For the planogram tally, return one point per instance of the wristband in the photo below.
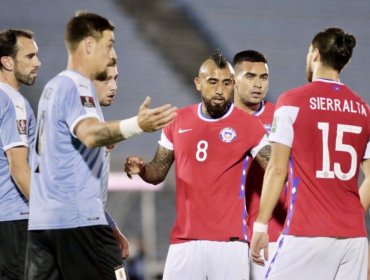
(259, 227)
(130, 127)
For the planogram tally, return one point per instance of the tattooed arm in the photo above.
(155, 171)
(94, 133)
(263, 156)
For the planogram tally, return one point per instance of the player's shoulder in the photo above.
(10, 97)
(269, 106)
(60, 86)
(295, 96)
(187, 110)
(61, 81)
(355, 96)
(5, 104)
(242, 115)
(4, 98)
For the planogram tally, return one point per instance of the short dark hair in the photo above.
(8, 42)
(85, 24)
(249, 55)
(335, 47)
(219, 59)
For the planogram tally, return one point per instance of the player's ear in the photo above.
(197, 83)
(315, 54)
(89, 44)
(7, 62)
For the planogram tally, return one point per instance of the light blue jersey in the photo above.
(66, 175)
(17, 128)
(104, 187)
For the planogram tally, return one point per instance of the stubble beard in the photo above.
(24, 78)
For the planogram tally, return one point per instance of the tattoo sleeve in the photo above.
(156, 171)
(263, 156)
(106, 136)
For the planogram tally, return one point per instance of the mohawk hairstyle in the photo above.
(219, 59)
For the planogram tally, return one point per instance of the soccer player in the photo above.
(209, 142)
(19, 64)
(69, 236)
(106, 90)
(251, 86)
(320, 134)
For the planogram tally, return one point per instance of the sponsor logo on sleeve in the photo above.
(87, 101)
(22, 127)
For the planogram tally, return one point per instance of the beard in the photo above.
(215, 110)
(25, 79)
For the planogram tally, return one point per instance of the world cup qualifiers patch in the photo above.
(22, 127)
(87, 101)
(227, 135)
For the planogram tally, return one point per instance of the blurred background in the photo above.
(160, 46)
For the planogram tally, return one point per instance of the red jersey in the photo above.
(210, 172)
(255, 180)
(327, 127)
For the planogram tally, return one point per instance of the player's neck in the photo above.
(9, 79)
(79, 64)
(248, 108)
(326, 73)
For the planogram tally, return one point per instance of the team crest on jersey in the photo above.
(87, 101)
(22, 127)
(228, 135)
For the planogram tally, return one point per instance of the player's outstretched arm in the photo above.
(365, 186)
(155, 171)
(19, 168)
(153, 119)
(94, 134)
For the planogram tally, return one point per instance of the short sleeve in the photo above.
(282, 127)
(13, 132)
(79, 103)
(166, 140)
